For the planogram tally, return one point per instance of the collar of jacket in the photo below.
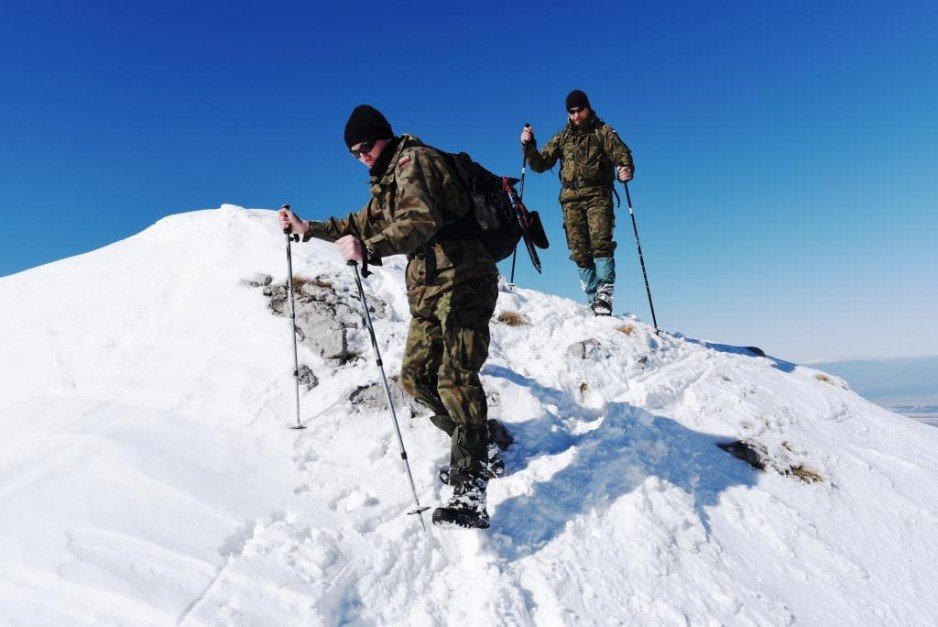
(403, 142)
(588, 125)
(381, 163)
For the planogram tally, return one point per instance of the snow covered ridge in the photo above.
(148, 476)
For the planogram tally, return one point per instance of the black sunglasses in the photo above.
(363, 148)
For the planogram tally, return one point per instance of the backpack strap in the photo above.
(463, 227)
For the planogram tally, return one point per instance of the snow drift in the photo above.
(148, 475)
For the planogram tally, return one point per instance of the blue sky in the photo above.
(785, 154)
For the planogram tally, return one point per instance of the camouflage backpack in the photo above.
(498, 219)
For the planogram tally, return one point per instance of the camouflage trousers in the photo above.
(589, 223)
(447, 344)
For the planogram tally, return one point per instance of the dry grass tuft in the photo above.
(512, 318)
(824, 378)
(584, 387)
(628, 329)
(298, 283)
(807, 475)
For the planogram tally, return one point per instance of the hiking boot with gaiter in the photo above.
(499, 440)
(494, 469)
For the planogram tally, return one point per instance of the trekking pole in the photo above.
(387, 390)
(296, 366)
(641, 258)
(524, 164)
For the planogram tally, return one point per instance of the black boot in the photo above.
(466, 508)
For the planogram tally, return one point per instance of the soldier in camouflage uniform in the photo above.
(452, 286)
(588, 150)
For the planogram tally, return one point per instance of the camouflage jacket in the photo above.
(587, 154)
(410, 202)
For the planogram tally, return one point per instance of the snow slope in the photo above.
(148, 476)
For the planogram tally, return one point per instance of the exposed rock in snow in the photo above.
(323, 314)
(757, 455)
(371, 398)
(586, 349)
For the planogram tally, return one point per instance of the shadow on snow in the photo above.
(745, 351)
(611, 456)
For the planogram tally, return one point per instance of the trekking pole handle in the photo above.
(289, 230)
(364, 272)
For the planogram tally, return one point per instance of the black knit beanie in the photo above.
(577, 98)
(366, 124)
